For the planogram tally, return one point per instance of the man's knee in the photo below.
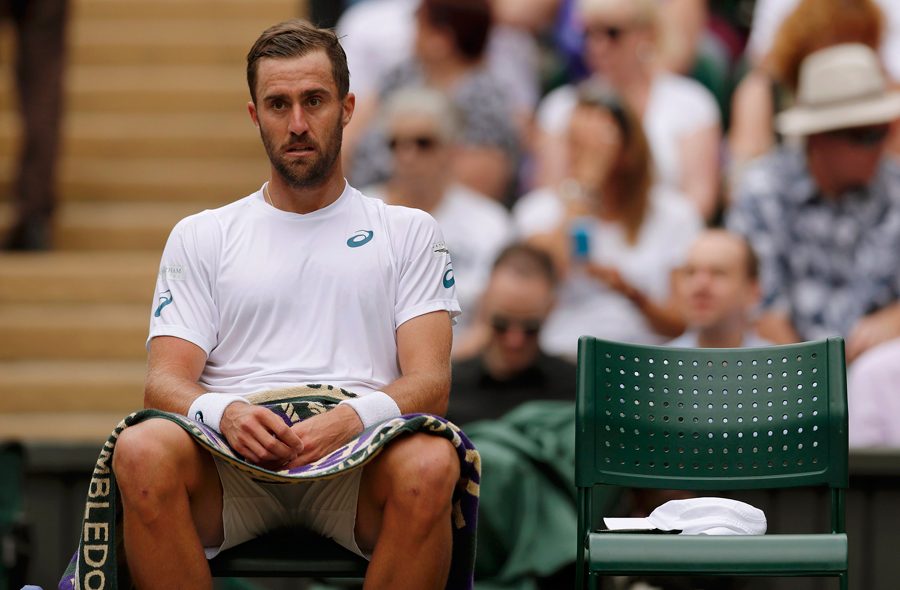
(152, 460)
(424, 471)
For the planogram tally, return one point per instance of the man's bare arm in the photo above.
(423, 347)
(173, 370)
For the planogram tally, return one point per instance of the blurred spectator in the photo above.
(450, 39)
(873, 397)
(719, 288)
(40, 45)
(420, 129)
(512, 369)
(379, 35)
(770, 86)
(825, 220)
(615, 237)
(680, 117)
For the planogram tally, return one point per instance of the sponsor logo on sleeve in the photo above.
(439, 249)
(165, 299)
(360, 238)
(449, 281)
(173, 273)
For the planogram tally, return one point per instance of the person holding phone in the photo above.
(616, 236)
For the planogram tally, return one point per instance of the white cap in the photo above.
(698, 516)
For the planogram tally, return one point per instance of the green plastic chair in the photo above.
(289, 553)
(711, 419)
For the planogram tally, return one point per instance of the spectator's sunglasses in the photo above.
(612, 33)
(503, 324)
(863, 136)
(421, 143)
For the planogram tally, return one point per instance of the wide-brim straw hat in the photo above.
(840, 87)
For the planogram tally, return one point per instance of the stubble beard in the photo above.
(302, 173)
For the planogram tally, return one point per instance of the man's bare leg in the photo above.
(404, 512)
(172, 499)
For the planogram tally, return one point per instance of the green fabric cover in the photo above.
(528, 513)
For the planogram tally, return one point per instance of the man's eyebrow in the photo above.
(304, 94)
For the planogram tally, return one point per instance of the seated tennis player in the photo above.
(304, 281)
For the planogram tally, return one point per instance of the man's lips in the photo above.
(299, 149)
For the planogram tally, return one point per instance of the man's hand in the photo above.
(323, 434)
(875, 328)
(259, 435)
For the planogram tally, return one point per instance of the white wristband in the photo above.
(373, 408)
(209, 407)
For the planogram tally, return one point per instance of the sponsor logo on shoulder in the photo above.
(360, 238)
(165, 299)
(173, 273)
(439, 249)
(449, 280)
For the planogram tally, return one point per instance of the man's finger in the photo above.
(283, 432)
(272, 448)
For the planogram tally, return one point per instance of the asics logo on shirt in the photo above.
(361, 238)
(166, 301)
(449, 280)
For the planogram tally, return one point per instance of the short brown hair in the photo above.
(296, 38)
(527, 261)
(468, 22)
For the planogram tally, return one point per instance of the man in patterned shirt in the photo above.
(825, 219)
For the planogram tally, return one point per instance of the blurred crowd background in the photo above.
(705, 173)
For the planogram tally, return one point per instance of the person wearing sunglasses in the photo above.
(625, 44)
(421, 131)
(824, 217)
(511, 368)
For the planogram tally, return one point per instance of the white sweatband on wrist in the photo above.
(373, 408)
(209, 407)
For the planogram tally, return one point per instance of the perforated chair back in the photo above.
(711, 419)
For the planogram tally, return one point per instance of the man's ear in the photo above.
(349, 105)
(253, 115)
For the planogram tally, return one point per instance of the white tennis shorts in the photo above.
(251, 509)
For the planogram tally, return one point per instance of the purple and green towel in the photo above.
(100, 559)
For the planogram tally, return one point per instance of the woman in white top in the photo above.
(623, 39)
(616, 238)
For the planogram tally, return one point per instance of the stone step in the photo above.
(215, 181)
(73, 331)
(79, 277)
(187, 9)
(116, 226)
(72, 386)
(139, 87)
(59, 427)
(226, 134)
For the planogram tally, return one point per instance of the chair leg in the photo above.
(844, 577)
(593, 578)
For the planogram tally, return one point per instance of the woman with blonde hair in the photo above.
(624, 43)
(616, 236)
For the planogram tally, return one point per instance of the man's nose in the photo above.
(515, 337)
(298, 124)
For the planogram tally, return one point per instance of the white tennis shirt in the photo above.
(277, 299)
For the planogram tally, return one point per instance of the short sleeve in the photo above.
(424, 265)
(690, 105)
(184, 304)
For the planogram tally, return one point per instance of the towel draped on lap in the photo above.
(100, 562)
